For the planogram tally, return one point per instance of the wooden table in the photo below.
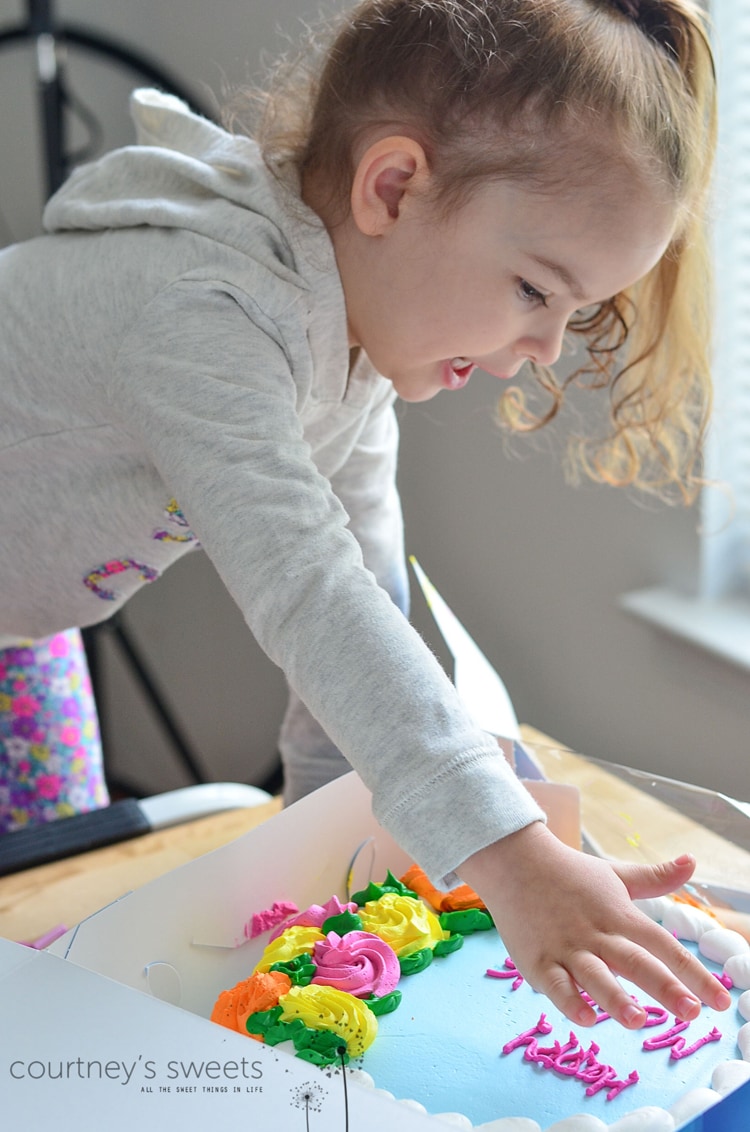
(34, 901)
(623, 822)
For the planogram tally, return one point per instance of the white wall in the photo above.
(531, 566)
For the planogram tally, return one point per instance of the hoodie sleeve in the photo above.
(366, 487)
(206, 385)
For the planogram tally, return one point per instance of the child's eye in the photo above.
(530, 294)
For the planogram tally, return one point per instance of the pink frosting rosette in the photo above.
(359, 962)
(315, 916)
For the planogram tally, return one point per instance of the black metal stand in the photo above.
(51, 39)
(139, 669)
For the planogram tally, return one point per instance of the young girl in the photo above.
(208, 343)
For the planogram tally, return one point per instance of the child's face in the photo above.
(495, 284)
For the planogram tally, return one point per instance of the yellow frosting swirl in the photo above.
(325, 1008)
(403, 922)
(291, 943)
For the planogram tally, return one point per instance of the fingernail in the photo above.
(688, 1008)
(685, 859)
(723, 1000)
(633, 1016)
(585, 1016)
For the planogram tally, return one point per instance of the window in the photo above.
(725, 566)
(718, 616)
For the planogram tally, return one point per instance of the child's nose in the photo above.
(545, 347)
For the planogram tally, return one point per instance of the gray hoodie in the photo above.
(174, 369)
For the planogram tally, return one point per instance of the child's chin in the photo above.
(415, 391)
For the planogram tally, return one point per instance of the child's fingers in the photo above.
(590, 974)
(655, 983)
(665, 974)
(655, 880)
(664, 969)
(562, 990)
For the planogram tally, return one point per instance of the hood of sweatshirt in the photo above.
(187, 172)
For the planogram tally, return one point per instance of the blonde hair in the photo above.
(504, 89)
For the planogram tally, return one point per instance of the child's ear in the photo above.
(389, 171)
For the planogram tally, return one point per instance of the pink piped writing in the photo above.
(681, 1050)
(679, 1047)
(512, 972)
(548, 1056)
(726, 980)
(571, 1060)
(528, 1036)
(610, 1081)
(668, 1038)
(655, 1016)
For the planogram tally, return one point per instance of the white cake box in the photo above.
(114, 1022)
(109, 1027)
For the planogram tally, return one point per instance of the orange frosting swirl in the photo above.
(261, 991)
(456, 900)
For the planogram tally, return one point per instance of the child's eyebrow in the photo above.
(563, 274)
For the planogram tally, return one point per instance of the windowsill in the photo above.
(720, 627)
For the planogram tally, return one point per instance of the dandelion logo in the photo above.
(309, 1097)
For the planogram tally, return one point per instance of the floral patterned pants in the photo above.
(50, 751)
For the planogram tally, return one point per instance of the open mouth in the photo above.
(459, 372)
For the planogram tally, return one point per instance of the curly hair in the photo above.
(515, 89)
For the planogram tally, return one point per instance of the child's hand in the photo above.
(567, 921)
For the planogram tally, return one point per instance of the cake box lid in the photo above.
(486, 698)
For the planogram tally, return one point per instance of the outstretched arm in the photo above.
(568, 921)
(366, 487)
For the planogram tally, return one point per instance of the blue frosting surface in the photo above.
(443, 1046)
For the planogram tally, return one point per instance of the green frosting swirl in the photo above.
(343, 923)
(301, 970)
(416, 962)
(466, 921)
(447, 946)
(321, 1047)
(386, 1004)
(267, 1024)
(375, 891)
